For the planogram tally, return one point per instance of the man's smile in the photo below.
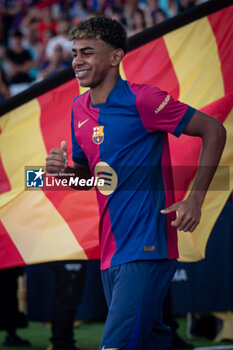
(82, 73)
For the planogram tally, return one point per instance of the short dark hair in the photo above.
(109, 30)
(17, 34)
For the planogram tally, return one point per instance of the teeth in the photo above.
(80, 73)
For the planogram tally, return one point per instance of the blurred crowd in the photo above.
(33, 42)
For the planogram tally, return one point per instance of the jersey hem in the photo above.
(106, 266)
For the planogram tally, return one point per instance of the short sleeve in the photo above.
(159, 111)
(77, 153)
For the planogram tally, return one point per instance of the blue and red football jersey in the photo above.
(125, 142)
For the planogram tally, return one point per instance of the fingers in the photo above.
(54, 166)
(64, 146)
(170, 209)
(186, 223)
(57, 159)
(54, 169)
(64, 149)
(188, 217)
(178, 222)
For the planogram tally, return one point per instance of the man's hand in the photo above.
(188, 214)
(57, 159)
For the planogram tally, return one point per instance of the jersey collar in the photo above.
(116, 87)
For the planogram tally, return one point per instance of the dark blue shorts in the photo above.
(134, 293)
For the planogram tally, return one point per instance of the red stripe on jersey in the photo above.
(158, 70)
(107, 240)
(170, 199)
(82, 109)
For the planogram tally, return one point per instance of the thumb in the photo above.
(64, 146)
(170, 209)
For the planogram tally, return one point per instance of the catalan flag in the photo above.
(190, 56)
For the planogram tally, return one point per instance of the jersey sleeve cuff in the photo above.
(184, 121)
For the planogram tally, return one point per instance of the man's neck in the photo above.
(99, 94)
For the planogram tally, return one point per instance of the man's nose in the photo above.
(78, 60)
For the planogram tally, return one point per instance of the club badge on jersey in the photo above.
(98, 134)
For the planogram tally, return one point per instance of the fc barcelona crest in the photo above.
(98, 134)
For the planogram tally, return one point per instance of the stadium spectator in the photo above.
(11, 13)
(129, 8)
(19, 64)
(46, 22)
(55, 63)
(139, 22)
(42, 4)
(10, 317)
(32, 44)
(116, 13)
(4, 91)
(184, 5)
(69, 277)
(61, 39)
(78, 10)
(158, 16)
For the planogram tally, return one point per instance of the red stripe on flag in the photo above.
(55, 114)
(151, 64)
(221, 108)
(9, 254)
(222, 26)
(185, 153)
(5, 185)
(72, 205)
(55, 126)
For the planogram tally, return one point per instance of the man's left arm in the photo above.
(213, 135)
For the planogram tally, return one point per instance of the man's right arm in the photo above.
(56, 163)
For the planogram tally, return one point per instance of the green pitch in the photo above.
(88, 336)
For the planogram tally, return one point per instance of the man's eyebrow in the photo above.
(83, 49)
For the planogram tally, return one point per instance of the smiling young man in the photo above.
(119, 133)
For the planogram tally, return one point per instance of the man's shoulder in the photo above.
(82, 98)
(144, 90)
(146, 93)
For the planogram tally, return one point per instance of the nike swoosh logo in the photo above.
(82, 123)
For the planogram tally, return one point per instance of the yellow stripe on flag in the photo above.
(21, 145)
(82, 89)
(40, 234)
(194, 54)
(122, 72)
(192, 245)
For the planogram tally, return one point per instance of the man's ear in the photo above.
(117, 56)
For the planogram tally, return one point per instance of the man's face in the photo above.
(91, 61)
